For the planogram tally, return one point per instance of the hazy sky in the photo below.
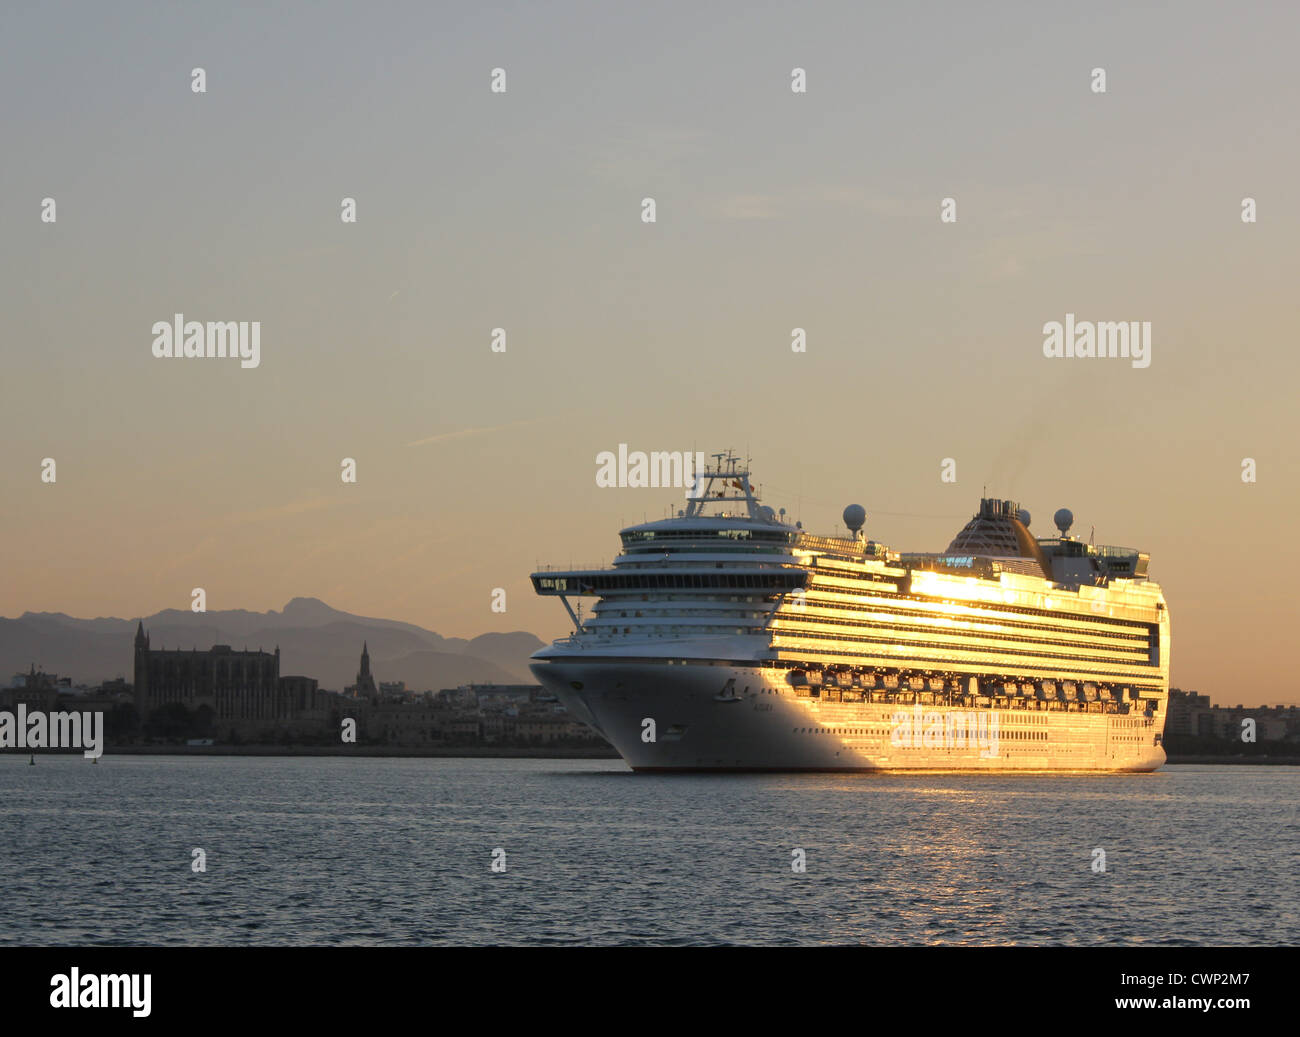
(522, 210)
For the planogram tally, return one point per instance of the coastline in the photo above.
(510, 753)
(1275, 761)
(466, 751)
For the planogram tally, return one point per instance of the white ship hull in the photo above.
(716, 717)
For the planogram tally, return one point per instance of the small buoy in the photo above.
(31, 760)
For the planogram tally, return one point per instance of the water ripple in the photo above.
(399, 852)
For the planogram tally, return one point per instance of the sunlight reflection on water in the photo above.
(398, 851)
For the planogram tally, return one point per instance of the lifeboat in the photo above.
(729, 693)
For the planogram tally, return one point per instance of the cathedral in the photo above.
(238, 686)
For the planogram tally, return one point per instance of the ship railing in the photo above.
(1112, 551)
(839, 545)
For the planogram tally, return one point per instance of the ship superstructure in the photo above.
(726, 638)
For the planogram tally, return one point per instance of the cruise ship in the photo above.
(728, 639)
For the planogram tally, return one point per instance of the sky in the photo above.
(522, 210)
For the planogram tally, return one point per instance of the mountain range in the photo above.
(315, 640)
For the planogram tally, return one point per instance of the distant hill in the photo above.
(315, 640)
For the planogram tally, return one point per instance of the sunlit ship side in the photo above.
(727, 639)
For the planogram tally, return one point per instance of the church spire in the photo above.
(365, 681)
